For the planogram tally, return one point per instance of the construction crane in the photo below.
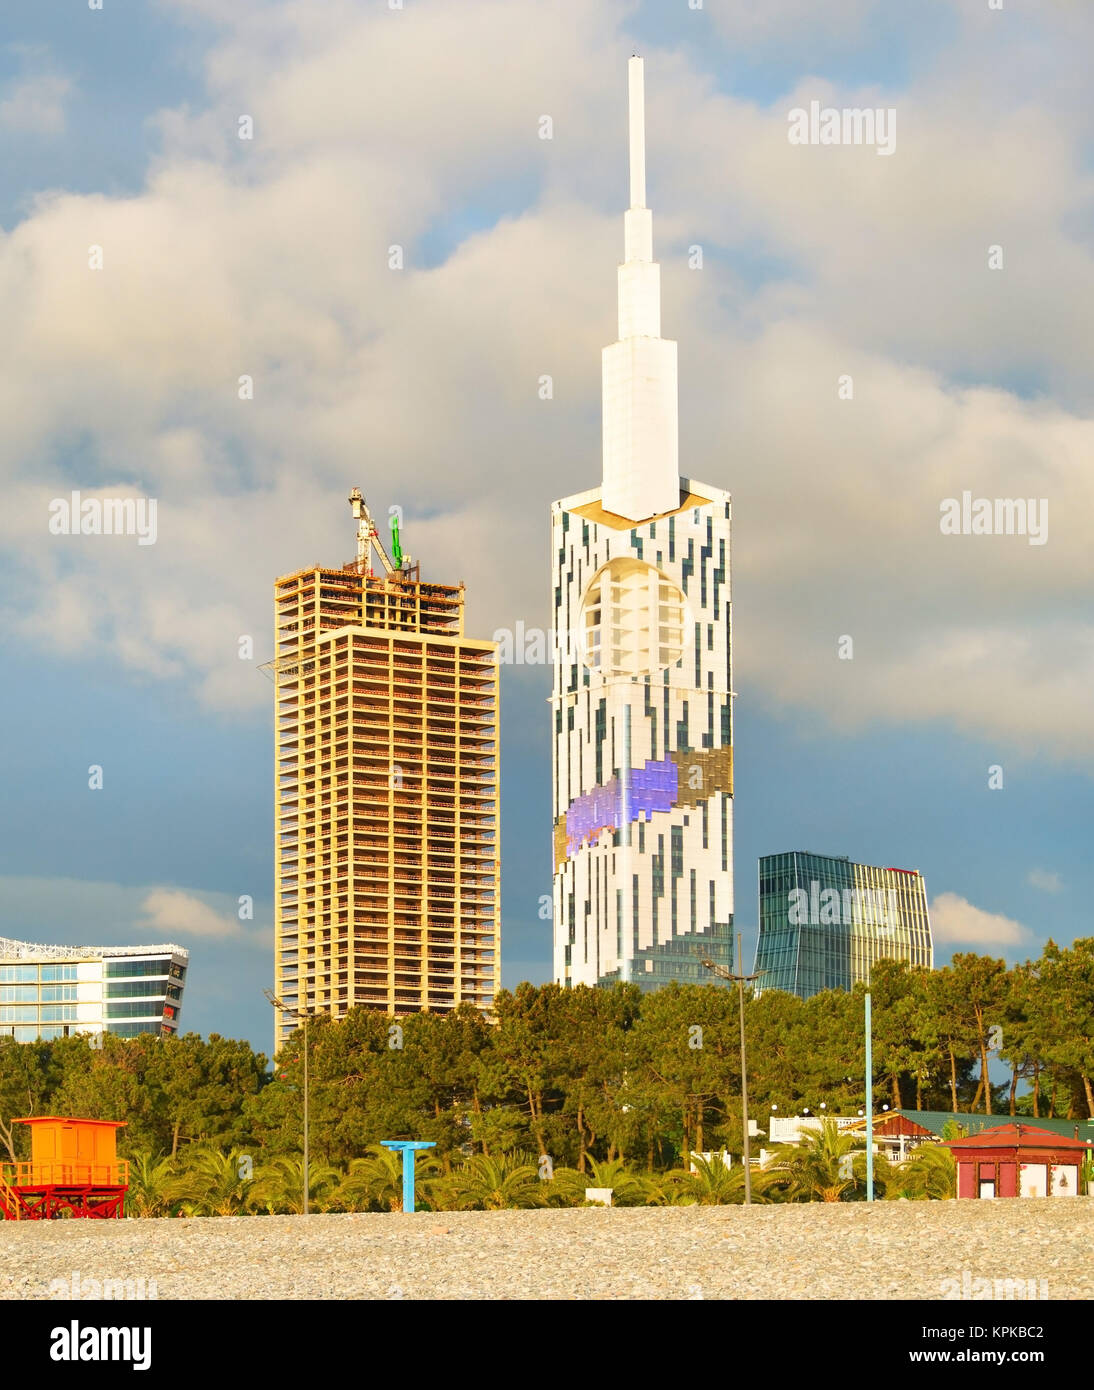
(367, 537)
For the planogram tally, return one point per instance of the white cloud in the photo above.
(78, 912)
(1048, 880)
(33, 101)
(270, 258)
(170, 912)
(955, 919)
(796, 24)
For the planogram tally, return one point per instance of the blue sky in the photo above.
(118, 128)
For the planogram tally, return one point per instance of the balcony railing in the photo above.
(57, 1173)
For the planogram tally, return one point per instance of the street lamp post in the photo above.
(724, 974)
(869, 1102)
(302, 1016)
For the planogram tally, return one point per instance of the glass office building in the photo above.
(58, 991)
(824, 920)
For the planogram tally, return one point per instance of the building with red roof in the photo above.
(1019, 1160)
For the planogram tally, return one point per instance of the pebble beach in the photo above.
(890, 1250)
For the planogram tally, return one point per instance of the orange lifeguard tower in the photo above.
(74, 1170)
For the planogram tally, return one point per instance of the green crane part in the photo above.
(396, 548)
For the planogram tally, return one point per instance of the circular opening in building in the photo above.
(633, 620)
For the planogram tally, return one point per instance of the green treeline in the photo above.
(584, 1075)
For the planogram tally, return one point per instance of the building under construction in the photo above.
(386, 796)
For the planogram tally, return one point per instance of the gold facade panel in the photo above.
(701, 773)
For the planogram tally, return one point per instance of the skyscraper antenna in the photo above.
(637, 94)
(641, 452)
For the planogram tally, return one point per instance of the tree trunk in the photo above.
(898, 1103)
(175, 1138)
(476, 1108)
(953, 1079)
(1013, 1086)
(1036, 1090)
(649, 1154)
(918, 1092)
(985, 1079)
(699, 1127)
(1089, 1094)
(537, 1125)
(687, 1134)
(581, 1139)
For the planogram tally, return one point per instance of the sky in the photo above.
(867, 336)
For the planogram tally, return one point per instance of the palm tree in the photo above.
(629, 1189)
(212, 1183)
(930, 1173)
(279, 1186)
(815, 1169)
(151, 1179)
(712, 1183)
(491, 1184)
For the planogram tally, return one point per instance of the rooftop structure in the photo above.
(34, 950)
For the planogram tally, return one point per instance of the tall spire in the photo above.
(636, 92)
(641, 460)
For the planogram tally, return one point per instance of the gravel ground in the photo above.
(892, 1250)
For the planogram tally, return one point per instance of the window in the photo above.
(150, 1009)
(18, 994)
(13, 974)
(55, 992)
(117, 968)
(58, 972)
(58, 1013)
(135, 989)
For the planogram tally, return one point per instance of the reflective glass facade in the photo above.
(58, 991)
(824, 920)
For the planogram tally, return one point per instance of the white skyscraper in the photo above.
(642, 705)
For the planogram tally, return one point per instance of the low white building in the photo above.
(788, 1129)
